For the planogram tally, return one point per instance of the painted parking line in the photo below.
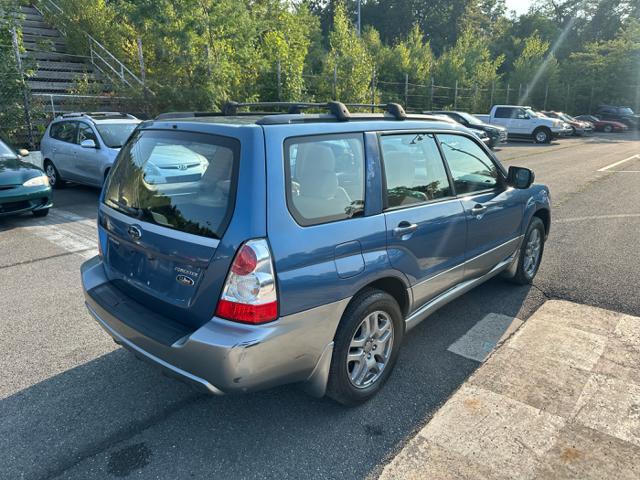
(69, 231)
(619, 162)
(478, 343)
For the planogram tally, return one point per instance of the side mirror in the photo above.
(23, 152)
(88, 143)
(520, 177)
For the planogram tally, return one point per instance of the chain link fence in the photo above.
(26, 108)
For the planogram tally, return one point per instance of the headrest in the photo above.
(315, 171)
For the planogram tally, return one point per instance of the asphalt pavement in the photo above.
(74, 405)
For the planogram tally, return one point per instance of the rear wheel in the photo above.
(52, 173)
(542, 135)
(366, 347)
(530, 253)
(608, 129)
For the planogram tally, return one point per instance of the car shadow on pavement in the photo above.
(115, 415)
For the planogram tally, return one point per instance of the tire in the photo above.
(526, 272)
(41, 213)
(371, 315)
(541, 135)
(55, 180)
(573, 132)
(607, 129)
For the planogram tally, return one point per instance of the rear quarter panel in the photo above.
(306, 258)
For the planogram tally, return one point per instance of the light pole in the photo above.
(359, 22)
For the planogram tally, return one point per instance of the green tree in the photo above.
(350, 59)
(535, 71)
(287, 42)
(607, 71)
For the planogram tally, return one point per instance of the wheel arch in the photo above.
(545, 215)
(395, 287)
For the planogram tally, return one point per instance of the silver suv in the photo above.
(81, 147)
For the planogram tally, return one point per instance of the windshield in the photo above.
(626, 111)
(534, 114)
(5, 151)
(567, 118)
(115, 134)
(181, 180)
(470, 118)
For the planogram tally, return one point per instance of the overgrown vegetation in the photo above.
(562, 54)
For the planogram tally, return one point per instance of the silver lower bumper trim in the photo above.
(152, 358)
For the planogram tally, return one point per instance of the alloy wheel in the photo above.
(370, 349)
(532, 253)
(50, 171)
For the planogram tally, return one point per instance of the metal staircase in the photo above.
(57, 70)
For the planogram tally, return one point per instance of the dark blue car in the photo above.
(242, 251)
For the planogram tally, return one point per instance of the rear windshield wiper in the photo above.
(136, 212)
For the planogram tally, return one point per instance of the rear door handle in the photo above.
(404, 228)
(478, 209)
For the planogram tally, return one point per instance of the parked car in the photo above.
(522, 122)
(481, 134)
(308, 248)
(606, 126)
(23, 186)
(578, 127)
(497, 134)
(81, 147)
(619, 114)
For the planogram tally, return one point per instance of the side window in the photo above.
(325, 178)
(85, 132)
(471, 168)
(503, 112)
(54, 131)
(519, 113)
(64, 131)
(413, 168)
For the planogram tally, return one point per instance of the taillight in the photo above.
(249, 293)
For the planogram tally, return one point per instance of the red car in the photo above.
(604, 125)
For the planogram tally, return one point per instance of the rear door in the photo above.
(426, 225)
(62, 146)
(161, 233)
(493, 212)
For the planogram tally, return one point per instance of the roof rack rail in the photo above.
(288, 112)
(394, 109)
(98, 115)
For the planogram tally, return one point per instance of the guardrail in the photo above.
(99, 56)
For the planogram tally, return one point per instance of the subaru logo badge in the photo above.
(134, 232)
(184, 280)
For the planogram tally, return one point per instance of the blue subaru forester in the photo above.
(244, 250)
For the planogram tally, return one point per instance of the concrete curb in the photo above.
(559, 399)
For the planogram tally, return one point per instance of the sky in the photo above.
(520, 6)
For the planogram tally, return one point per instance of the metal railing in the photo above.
(99, 56)
(69, 102)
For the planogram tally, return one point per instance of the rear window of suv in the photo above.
(180, 180)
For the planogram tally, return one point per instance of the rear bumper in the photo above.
(225, 357)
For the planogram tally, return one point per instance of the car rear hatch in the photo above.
(166, 205)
